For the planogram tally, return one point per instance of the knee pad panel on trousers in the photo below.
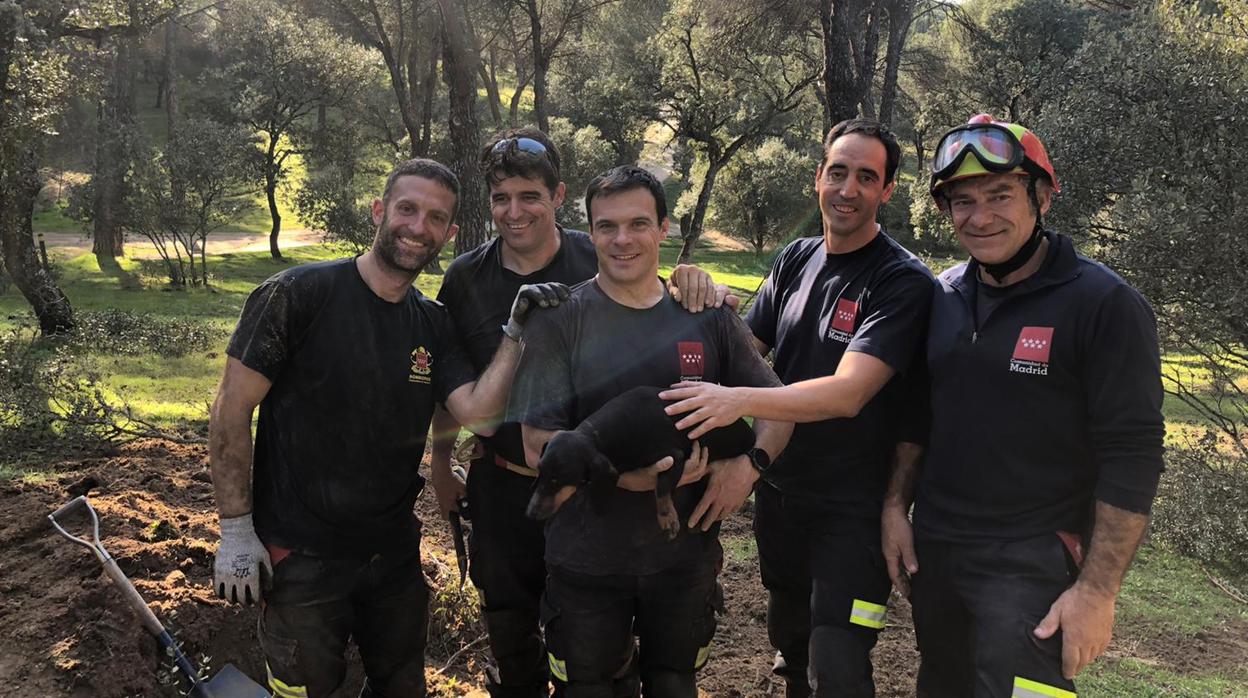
(840, 661)
(668, 684)
(788, 627)
(519, 655)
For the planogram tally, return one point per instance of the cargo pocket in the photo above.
(280, 659)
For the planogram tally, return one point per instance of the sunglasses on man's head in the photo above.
(527, 145)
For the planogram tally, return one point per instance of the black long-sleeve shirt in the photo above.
(1049, 402)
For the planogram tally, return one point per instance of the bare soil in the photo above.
(68, 633)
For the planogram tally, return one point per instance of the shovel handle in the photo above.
(80, 500)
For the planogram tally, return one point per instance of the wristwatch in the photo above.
(759, 459)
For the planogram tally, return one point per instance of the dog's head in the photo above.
(570, 459)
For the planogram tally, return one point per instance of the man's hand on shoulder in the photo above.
(530, 296)
(694, 289)
(242, 566)
(732, 481)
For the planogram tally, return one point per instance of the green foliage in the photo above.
(341, 182)
(763, 192)
(192, 188)
(49, 401)
(1202, 505)
(131, 333)
(583, 155)
(609, 80)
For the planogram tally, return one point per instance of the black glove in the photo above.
(547, 295)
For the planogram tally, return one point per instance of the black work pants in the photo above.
(590, 623)
(317, 603)
(975, 607)
(827, 591)
(507, 551)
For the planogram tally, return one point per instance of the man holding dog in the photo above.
(345, 360)
(1046, 438)
(612, 572)
(845, 314)
(522, 168)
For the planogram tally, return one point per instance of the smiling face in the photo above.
(626, 233)
(850, 185)
(523, 209)
(993, 215)
(413, 224)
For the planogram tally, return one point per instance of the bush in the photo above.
(49, 402)
(1202, 506)
(130, 333)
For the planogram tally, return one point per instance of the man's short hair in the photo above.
(867, 127)
(505, 156)
(426, 169)
(621, 179)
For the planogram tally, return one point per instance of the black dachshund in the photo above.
(631, 431)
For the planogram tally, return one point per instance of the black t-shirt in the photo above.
(342, 429)
(478, 291)
(813, 308)
(582, 354)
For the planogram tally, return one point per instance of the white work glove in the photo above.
(546, 295)
(242, 564)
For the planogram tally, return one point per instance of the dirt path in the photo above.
(67, 632)
(218, 243)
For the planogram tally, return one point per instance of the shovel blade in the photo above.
(230, 682)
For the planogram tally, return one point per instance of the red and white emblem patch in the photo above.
(1031, 351)
(841, 328)
(692, 361)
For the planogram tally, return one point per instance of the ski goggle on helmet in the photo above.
(985, 146)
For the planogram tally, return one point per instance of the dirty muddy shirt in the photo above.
(591, 349)
(342, 429)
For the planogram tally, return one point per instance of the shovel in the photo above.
(228, 683)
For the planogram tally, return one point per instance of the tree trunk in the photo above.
(114, 151)
(839, 83)
(19, 186)
(171, 84)
(271, 167)
(699, 209)
(541, 64)
(490, 78)
(900, 14)
(459, 71)
(430, 88)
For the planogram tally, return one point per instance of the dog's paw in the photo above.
(669, 521)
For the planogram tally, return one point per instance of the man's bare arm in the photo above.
(732, 479)
(480, 405)
(707, 406)
(448, 488)
(229, 436)
(895, 530)
(1085, 611)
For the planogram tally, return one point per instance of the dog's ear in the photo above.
(602, 480)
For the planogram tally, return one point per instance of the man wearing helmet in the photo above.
(1045, 443)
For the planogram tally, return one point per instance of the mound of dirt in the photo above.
(68, 631)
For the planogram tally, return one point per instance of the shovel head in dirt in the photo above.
(228, 683)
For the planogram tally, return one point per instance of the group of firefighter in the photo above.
(987, 442)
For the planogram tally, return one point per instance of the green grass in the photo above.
(1132, 678)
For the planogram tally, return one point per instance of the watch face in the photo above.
(759, 459)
